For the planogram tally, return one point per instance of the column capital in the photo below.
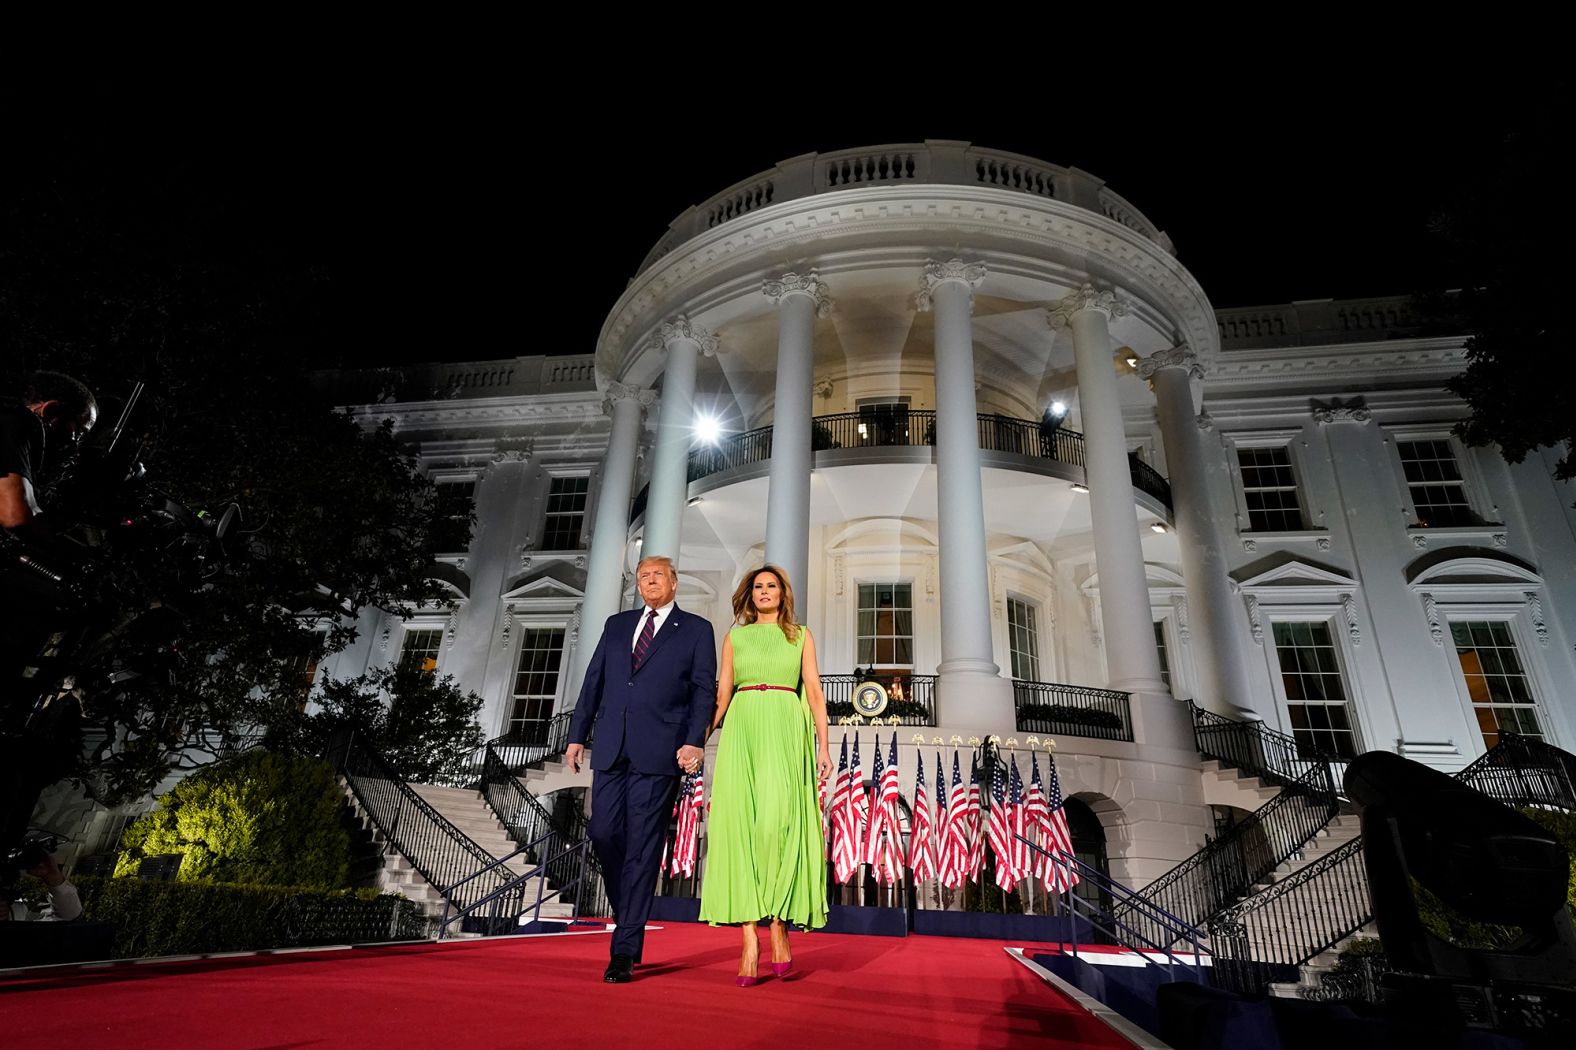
(682, 327)
(936, 274)
(809, 285)
(1177, 357)
(1086, 298)
(616, 392)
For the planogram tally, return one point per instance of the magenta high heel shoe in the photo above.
(781, 969)
(746, 982)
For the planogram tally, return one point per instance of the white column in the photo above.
(800, 300)
(1131, 657)
(610, 532)
(684, 342)
(971, 690)
(1222, 670)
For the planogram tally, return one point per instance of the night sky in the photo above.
(469, 210)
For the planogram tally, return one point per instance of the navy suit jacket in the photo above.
(650, 713)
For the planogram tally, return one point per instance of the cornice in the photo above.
(932, 215)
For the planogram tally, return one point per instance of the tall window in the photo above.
(886, 625)
(1496, 681)
(1315, 694)
(1434, 482)
(1270, 489)
(566, 514)
(301, 673)
(420, 648)
(883, 421)
(1160, 650)
(456, 509)
(1023, 641)
(536, 684)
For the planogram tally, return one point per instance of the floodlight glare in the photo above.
(708, 429)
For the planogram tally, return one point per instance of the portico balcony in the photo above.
(850, 438)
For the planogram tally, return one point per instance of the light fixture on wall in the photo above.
(1158, 526)
(692, 501)
(708, 429)
(1080, 488)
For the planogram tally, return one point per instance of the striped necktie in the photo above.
(643, 643)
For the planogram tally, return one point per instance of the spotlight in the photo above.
(708, 429)
(1057, 410)
(692, 501)
(1080, 488)
(1157, 526)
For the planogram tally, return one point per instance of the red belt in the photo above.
(784, 688)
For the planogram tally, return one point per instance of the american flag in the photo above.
(921, 844)
(845, 836)
(691, 800)
(1036, 819)
(1022, 865)
(1001, 843)
(1062, 875)
(955, 832)
(858, 805)
(884, 846)
(976, 856)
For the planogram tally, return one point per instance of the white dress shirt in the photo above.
(640, 624)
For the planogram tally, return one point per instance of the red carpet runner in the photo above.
(547, 992)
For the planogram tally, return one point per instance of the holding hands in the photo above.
(690, 757)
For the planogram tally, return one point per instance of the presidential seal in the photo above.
(870, 699)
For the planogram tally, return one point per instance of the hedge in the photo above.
(189, 918)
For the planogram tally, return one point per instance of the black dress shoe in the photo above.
(620, 971)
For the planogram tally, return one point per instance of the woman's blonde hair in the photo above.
(744, 609)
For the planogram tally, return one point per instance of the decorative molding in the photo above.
(451, 629)
(1349, 608)
(626, 391)
(1436, 626)
(1094, 621)
(1255, 619)
(809, 285)
(508, 629)
(1535, 610)
(1179, 611)
(1500, 540)
(1323, 543)
(823, 388)
(683, 328)
(1085, 298)
(1420, 541)
(1206, 422)
(838, 574)
(936, 274)
(930, 578)
(1177, 357)
(574, 628)
(1354, 410)
(383, 639)
(1251, 546)
(513, 450)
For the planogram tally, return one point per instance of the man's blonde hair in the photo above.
(658, 559)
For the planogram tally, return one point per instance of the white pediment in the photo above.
(544, 587)
(1475, 571)
(1294, 574)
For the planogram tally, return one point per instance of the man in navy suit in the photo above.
(650, 691)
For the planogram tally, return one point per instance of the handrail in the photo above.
(899, 427)
(442, 853)
(1254, 747)
(1228, 866)
(527, 821)
(1174, 929)
(911, 698)
(513, 886)
(1316, 907)
(1072, 710)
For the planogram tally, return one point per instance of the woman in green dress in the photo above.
(766, 852)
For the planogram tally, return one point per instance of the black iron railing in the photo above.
(528, 821)
(898, 427)
(1315, 908)
(1072, 710)
(525, 746)
(1254, 748)
(443, 854)
(911, 698)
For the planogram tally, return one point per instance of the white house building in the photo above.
(1017, 466)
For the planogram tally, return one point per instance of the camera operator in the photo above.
(53, 410)
(64, 902)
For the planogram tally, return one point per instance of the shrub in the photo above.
(184, 918)
(258, 818)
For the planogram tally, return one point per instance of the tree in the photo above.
(423, 725)
(260, 818)
(119, 265)
(1501, 237)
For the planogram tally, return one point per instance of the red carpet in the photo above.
(547, 992)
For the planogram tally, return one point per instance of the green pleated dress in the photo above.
(765, 852)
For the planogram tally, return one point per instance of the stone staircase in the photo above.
(554, 774)
(1228, 786)
(469, 813)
